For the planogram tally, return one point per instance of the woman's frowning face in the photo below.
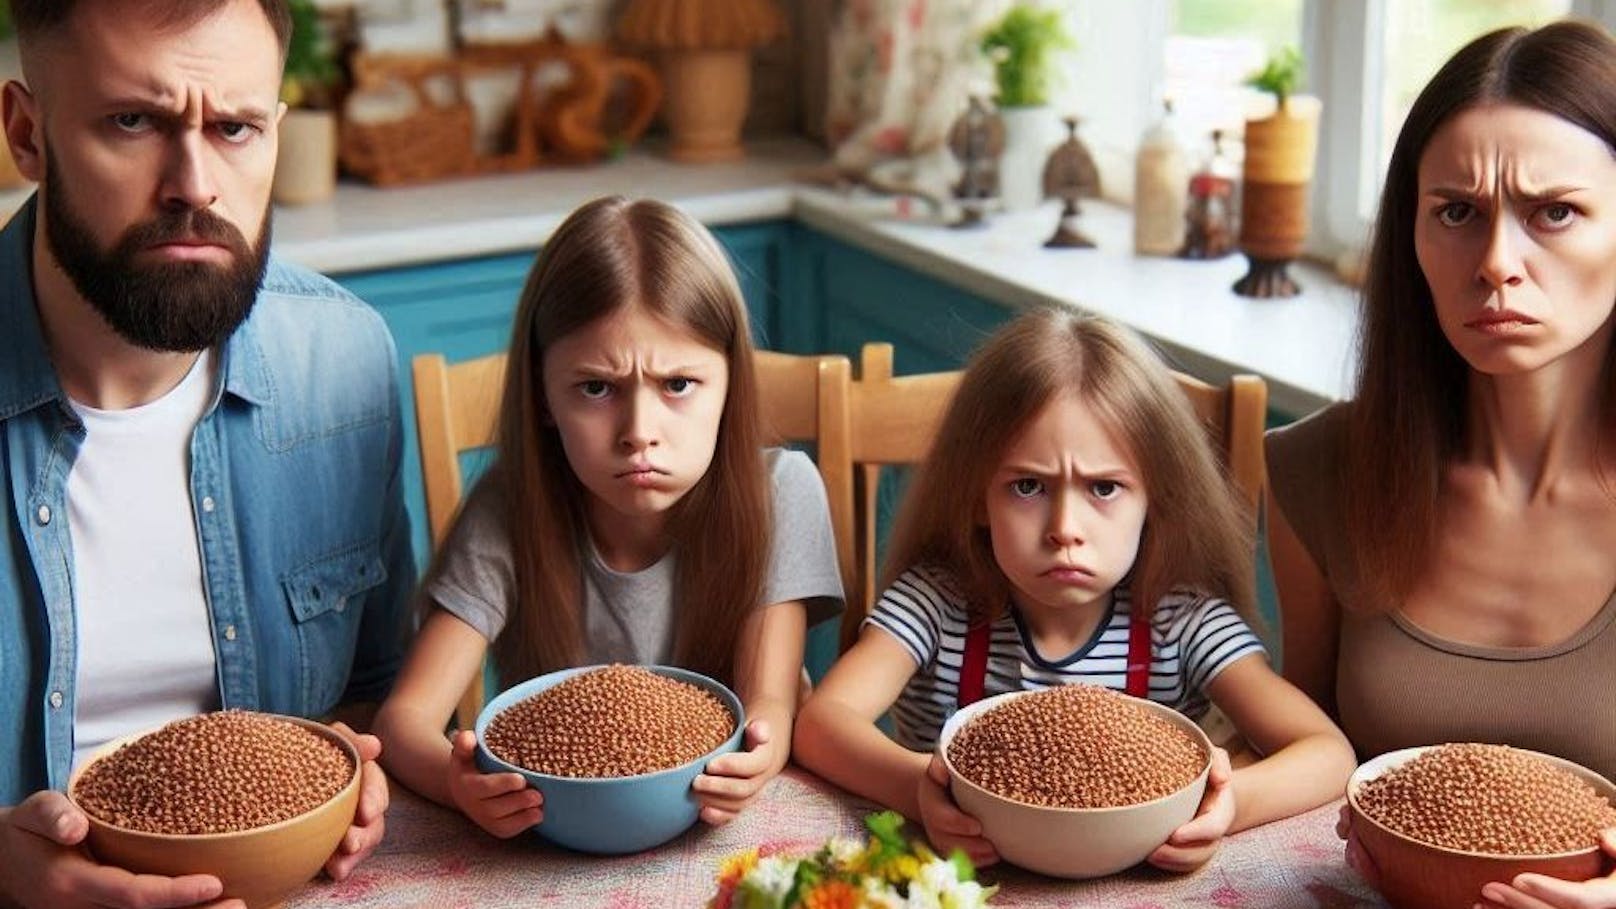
(1515, 232)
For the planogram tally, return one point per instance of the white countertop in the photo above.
(1301, 346)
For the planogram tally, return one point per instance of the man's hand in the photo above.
(370, 821)
(43, 867)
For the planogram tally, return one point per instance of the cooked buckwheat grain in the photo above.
(1076, 746)
(214, 773)
(610, 722)
(1492, 799)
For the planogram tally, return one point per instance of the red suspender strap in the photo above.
(974, 664)
(1138, 655)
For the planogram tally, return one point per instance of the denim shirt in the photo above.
(295, 489)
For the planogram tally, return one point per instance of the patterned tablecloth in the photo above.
(435, 857)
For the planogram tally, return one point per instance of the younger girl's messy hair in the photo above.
(1196, 534)
(611, 255)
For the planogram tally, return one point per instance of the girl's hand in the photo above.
(1193, 844)
(732, 781)
(501, 803)
(370, 821)
(947, 827)
(1537, 891)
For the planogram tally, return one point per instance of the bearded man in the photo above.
(200, 501)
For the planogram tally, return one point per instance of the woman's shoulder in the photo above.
(1298, 443)
(1305, 464)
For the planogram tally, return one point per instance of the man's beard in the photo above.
(166, 306)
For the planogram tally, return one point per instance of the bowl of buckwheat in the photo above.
(613, 750)
(258, 800)
(1075, 781)
(1441, 821)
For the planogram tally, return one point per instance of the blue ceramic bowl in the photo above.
(612, 815)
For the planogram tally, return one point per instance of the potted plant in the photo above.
(1022, 47)
(704, 48)
(306, 169)
(10, 68)
(1280, 149)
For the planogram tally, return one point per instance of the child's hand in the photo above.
(732, 781)
(1539, 891)
(501, 803)
(947, 827)
(1193, 844)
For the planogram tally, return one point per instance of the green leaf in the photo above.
(963, 868)
(887, 828)
(1281, 75)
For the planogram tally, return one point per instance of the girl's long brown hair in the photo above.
(1196, 534)
(1408, 416)
(609, 255)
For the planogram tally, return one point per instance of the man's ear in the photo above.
(19, 116)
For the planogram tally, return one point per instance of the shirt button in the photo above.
(230, 632)
(207, 504)
(56, 700)
(43, 514)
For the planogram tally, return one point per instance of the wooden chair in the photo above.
(890, 421)
(456, 409)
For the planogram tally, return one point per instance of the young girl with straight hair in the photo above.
(630, 515)
(1070, 524)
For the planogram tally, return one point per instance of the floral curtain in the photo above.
(901, 71)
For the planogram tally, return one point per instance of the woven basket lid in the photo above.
(700, 24)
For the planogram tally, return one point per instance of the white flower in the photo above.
(879, 895)
(844, 851)
(768, 883)
(938, 886)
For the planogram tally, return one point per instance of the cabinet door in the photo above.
(463, 309)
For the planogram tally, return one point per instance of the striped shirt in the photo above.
(1193, 638)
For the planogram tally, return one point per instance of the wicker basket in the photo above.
(433, 141)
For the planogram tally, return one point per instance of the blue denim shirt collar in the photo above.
(27, 378)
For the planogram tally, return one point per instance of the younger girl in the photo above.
(1069, 525)
(630, 514)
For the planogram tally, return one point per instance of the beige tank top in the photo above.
(1398, 685)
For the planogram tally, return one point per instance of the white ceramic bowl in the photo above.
(1073, 842)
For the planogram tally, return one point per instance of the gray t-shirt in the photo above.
(628, 616)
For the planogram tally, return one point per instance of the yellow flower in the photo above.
(831, 895)
(901, 868)
(736, 866)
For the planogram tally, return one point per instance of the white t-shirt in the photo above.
(145, 641)
(1193, 638)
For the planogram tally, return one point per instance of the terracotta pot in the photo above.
(1280, 150)
(306, 168)
(706, 95)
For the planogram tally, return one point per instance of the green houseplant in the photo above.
(306, 169)
(1023, 47)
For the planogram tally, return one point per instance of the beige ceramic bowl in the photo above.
(261, 866)
(1073, 842)
(1417, 875)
